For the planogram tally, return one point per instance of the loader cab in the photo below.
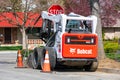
(48, 32)
(78, 26)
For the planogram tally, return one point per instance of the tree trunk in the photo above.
(24, 39)
(95, 11)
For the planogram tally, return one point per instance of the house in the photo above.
(112, 32)
(10, 32)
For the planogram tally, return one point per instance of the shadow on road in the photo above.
(68, 69)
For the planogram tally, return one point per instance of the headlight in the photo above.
(68, 40)
(92, 40)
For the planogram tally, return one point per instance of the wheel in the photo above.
(52, 57)
(92, 67)
(36, 58)
(29, 60)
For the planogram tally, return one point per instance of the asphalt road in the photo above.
(9, 72)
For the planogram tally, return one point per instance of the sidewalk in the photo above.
(109, 70)
(8, 52)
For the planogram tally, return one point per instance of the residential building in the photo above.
(112, 32)
(10, 32)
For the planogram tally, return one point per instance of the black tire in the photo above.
(29, 60)
(92, 67)
(36, 58)
(52, 57)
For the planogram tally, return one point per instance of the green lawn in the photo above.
(10, 48)
(111, 48)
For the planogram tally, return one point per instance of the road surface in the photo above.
(8, 71)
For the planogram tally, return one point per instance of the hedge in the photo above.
(110, 46)
(10, 48)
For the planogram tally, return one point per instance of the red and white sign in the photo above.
(56, 9)
(80, 51)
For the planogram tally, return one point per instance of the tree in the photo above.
(22, 12)
(26, 7)
(6, 5)
(43, 5)
(109, 12)
(81, 7)
(95, 7)
(91, 7)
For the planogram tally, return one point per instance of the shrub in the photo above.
(110, 47)
(10, 47)
(115, 56)
(26, 52)
(110, 55)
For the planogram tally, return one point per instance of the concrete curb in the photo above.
(109, 70)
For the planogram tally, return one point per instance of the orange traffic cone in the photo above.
(46, 64)
(19, 59)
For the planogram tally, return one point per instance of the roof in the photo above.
(8, 19)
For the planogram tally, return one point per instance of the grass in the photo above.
(110, 55)
(114, 56)
(10, 48)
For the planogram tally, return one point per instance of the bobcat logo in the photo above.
(72, 50)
